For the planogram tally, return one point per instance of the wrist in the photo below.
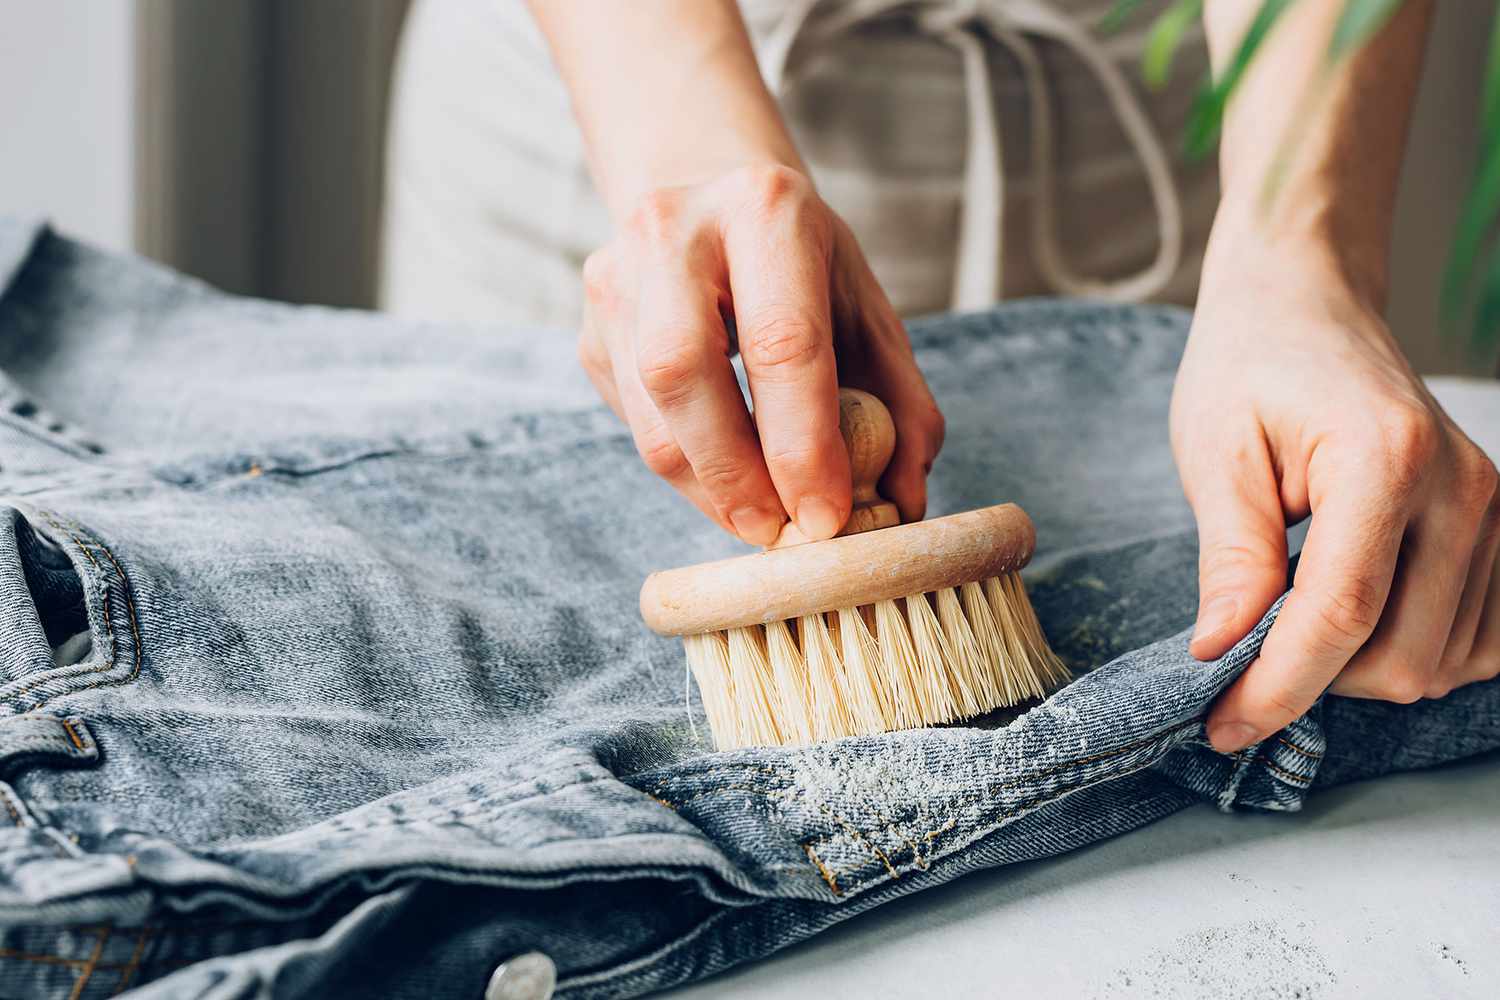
(1295, 243)
(667, 166)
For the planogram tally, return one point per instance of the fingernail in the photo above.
(1230, 737)
(818, 518)
(1215, 618)
(756, 525)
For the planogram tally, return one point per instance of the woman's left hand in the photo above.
(1293, 398)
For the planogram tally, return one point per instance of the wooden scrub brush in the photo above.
(887, 626)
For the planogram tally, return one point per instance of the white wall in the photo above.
(66, 124)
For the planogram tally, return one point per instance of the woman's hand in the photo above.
(754, 252)
(1293, 399)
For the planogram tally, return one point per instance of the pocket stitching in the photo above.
(105, 576)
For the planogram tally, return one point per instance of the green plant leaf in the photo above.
(1359, 20)
(1480, 210)
(1164, 40)
(1487, 315)
(1481, 205)
(1489, 114)
(1207, 115)
(1118, 13)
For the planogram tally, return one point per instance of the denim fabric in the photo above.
(368, 708)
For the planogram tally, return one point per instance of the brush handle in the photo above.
(870, 438)
(839, 573)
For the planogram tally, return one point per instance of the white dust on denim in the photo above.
(928, 775)
(1256, 959)
(903, 780)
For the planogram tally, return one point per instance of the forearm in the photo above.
(1336, 193)
(666, 92)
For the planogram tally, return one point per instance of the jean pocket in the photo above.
(67, 619)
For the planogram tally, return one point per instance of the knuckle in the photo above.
(1283, 708)
(795, 462)
(772, 186)
(1489, 524)
(1250, 553)
(932, 425)
(1349, 616)
(671, 366)
(598, 277)
(782, 199)
(591, 354)
(1409, 437)
(1438, 687)
(656, 218)
(662, 456)
(1477, 481)
(1402, 685)
(1452, 665)
(720, 475)
(783, 341)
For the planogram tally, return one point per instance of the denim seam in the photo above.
(137, 960)
(26, 956)
(992, 788)
(989, 789)
(992, 824)
(26, 818)
(850, 829)
(92, 963)
(108, 625)
(105, 933)
(412, 819)
(976, 328)
(635, 966)
(105, 577)
(829, 873)
(26, 741)
(83, 963)
(197, 928)
(1227, 794)
(1309, 754)
(131, 967)
(15, 814)
(28, 427)
(72, 734)
(1285, 775)
(1001, 818)
(134, 964)
(863, 840)
(828, 876)
(436, 450)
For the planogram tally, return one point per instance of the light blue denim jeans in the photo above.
(367, 708)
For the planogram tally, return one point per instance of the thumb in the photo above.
(1242, 561)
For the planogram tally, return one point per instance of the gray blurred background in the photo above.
(242, 141)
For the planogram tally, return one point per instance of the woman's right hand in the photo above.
(754, 252)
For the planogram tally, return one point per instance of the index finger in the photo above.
(779, 279)
(1342, 582)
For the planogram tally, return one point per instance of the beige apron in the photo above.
(977, 148)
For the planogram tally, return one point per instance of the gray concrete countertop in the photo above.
(1384, 889)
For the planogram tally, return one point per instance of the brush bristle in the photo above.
(920, 661)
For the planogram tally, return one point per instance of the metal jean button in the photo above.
(528, 976)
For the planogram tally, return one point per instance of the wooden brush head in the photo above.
(874, 558)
